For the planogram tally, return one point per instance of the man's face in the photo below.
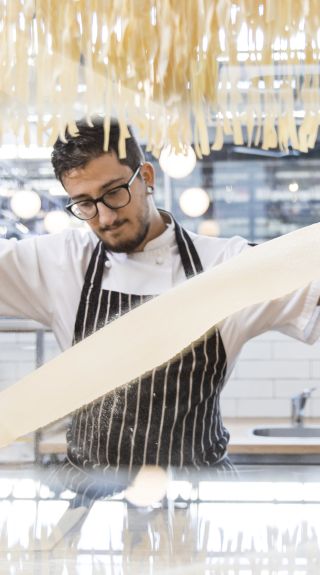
(124, 229)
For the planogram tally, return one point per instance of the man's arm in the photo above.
(24, 280)
(20, 283)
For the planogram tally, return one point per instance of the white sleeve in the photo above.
(39, 274)
(23, 289)
(296, 314)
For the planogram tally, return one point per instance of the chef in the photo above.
(77, 281)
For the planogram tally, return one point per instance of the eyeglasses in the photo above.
(114, 199)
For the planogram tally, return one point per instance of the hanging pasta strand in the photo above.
(247, 67)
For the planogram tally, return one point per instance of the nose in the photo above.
(107, 216)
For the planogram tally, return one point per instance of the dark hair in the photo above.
(88, 142)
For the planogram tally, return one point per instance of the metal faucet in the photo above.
(298, 403)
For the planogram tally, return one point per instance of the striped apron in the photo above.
(169, 417)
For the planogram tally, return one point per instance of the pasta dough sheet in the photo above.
(156, 331)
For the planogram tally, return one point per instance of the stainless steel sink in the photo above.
(305, 431)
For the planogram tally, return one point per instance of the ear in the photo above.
(147, 173)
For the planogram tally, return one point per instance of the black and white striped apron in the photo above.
(169, 417)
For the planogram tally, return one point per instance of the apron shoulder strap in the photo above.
(189, 256)
(90, 294)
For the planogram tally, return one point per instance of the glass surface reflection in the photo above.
(263, 521)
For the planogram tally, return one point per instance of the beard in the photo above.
(128, 245)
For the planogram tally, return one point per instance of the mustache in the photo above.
(113, 227)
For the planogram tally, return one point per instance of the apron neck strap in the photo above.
(90, 294)
(188, 253)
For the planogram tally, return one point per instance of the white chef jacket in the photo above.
(42, 278)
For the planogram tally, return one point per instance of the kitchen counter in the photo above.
(242, 440)
(51, 441)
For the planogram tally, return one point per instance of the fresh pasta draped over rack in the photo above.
(182, 71)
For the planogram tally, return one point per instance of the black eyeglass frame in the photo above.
(101, 198)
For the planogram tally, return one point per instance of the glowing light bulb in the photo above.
(209, 228)
(25, 204)
(56, 221)
(293, 187)
(177, 164)
(194, 202)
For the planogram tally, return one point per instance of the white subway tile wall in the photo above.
(271, 369)
(18, 355)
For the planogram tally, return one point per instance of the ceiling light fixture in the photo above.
(194, 202)
(56, 221)
(293, 187)
(25, 204)
(177, 164)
